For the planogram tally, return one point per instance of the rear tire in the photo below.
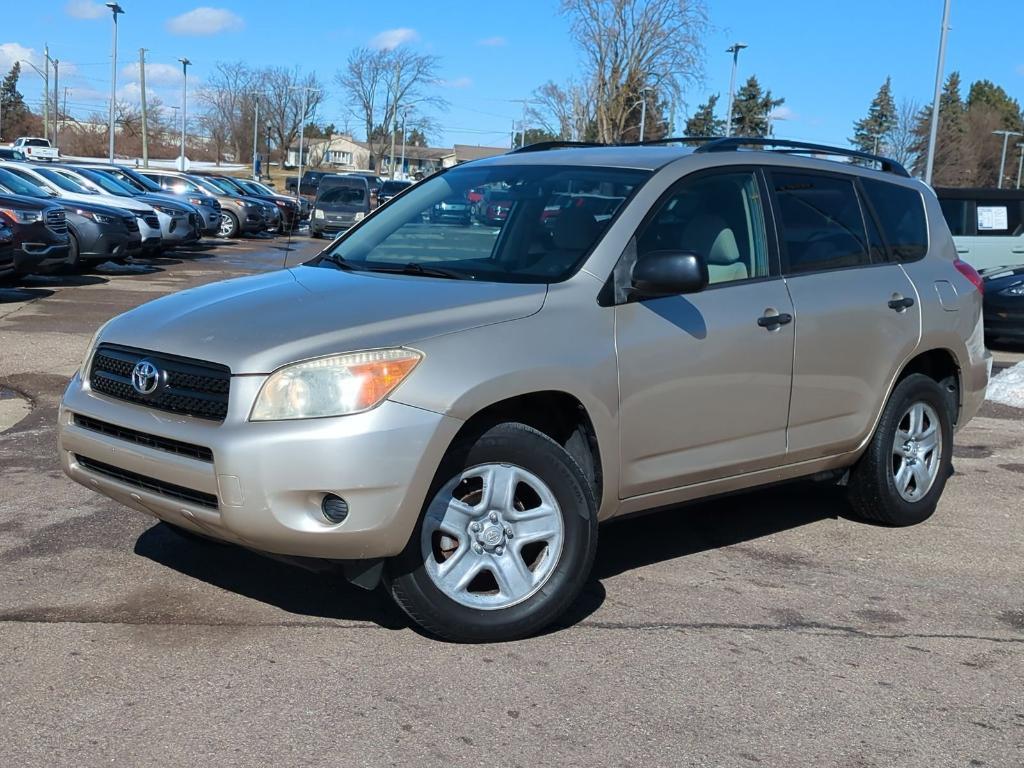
(900, 478)
(462, 576)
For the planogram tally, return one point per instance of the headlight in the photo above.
(318, 214)
(1013, 290)
(19, 216)
(90, 351)
(359, 215)
(172, 212)
(99, 218)
(196, 201)
(333, 386)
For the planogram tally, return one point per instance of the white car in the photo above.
(69, 189)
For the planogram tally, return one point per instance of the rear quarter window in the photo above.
(900, 213)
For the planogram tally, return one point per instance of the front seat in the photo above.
(712, 238)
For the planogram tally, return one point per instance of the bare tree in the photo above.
(282, 101)
(563, 112)
(227, 101)
(901, 140)
(382, 84)
(630, 46)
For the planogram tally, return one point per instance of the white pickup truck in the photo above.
(35, 148)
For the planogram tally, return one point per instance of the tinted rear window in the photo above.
(956, 214)
(900, 211)
(822, 225)
(343, 194)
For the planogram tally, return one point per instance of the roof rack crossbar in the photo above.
(736, 143)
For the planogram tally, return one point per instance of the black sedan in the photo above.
(1004, 303)
(452, 210)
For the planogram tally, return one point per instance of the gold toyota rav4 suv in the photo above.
(454, 408)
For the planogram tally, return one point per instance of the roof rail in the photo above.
(668, 140)
(542, 146)
(735, 143)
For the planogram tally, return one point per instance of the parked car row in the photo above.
(74, 214)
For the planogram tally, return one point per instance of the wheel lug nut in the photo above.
(508, 532)
(474, 527)
(493, 517)
(499, 551)
(478, 549)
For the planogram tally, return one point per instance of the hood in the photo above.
(125, 203)
(108, 210)
(259, 323)
(171, 204)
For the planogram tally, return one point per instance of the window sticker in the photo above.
(992, 218)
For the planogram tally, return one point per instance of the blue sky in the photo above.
(826, 57)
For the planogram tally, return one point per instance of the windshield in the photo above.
(343, 194)
(136, 180)
(263, 189)
(107, 183)
(224, 186)
(521, 244)
(18, 186)
(203, 185)
(393, 187)
(65, 183)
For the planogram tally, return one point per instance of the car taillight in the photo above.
(971, 274)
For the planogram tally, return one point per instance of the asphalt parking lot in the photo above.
(761, 629)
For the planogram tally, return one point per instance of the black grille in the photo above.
(131, 223)
(151, 220)
(192, 387)
(148, 483)
(141, 438)
(56, 220)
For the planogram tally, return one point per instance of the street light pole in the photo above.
(734, 49)
(184, 108)
(405, 115)
(46, 91)
(933, 133)
(302, 132)
(1002, 162)
(115, 9)
(56, 99)
(255, 137)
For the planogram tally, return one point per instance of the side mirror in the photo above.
(668, 273)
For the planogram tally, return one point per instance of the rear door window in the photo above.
(900, 211)
(822, 226)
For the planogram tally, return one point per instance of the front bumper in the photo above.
(267, 480)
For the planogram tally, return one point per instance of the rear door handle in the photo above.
(771, 322)
(900, 304)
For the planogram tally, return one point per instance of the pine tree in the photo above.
(703, 122)
(752, 108)
(985, 94)
(870, 134)
(11, 101)
(949, 167)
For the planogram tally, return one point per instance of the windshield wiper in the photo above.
(338, 261)
(415, 268)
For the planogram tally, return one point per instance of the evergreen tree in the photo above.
(703, 122)
(871, 133)
(11, 101)
(985, 94)
(752, 108)
(949, 167)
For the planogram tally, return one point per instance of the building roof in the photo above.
(466, 152)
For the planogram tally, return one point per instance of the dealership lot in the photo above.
(126, 644)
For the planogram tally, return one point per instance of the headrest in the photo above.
(575, 229)
(711, 238)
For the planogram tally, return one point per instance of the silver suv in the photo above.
(454, 409)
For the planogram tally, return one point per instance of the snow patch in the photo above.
(1007, 387)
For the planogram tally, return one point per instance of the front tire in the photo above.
(505, 542)
(901, 476)
(229, 225)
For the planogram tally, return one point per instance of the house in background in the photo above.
(342, 153)
(463, 153)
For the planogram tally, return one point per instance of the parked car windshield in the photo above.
(343, 194)
(528, 245)
(393, 187)
(19, 186)
(65, 183)
(106, 183)
(220, 184)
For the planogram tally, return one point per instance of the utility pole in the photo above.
(145, 125)
(405, 115)
(522, 123)
(184, 108)
(933, 133)
(255, 137)
(734, 49)
(46, 91)
(1002, 162)
(115, 9)
(302, 132)
(56, 100)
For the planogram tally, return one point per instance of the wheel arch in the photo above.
(941, 365)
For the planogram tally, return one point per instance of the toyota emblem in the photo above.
(145, 377)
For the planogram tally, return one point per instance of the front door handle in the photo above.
(771, 322)
(901, 304)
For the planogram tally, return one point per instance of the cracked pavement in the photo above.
(760, 629)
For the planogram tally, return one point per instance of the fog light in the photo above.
(335, 508)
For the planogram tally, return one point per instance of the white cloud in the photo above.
(130, 92)
(204, 22)
(12, 52)
(84, 9)
(458, 82)
(392, 38)
(783, 113)
(156, 73)
(492, 42)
